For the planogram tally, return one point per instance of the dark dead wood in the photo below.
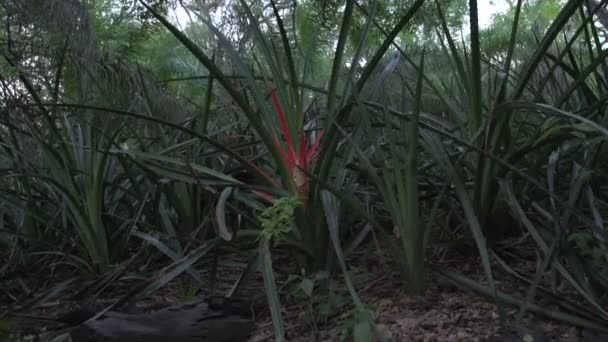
(196, 322)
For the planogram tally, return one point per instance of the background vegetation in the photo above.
(133, 150)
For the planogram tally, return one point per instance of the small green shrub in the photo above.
(189, 292)
(7, 331)
(589, 246)
(278, 219)
(357, 326)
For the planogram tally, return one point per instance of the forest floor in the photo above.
(444, 313)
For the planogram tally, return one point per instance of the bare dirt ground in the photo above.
(444, 313)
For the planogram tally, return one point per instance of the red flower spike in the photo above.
(284, 154)
(286, 132)
(315, 148)
(265, 196)
(297, 163)
(303, 146)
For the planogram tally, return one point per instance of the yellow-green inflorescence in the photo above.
(278, 219)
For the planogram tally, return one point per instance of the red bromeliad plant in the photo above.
(297, 162)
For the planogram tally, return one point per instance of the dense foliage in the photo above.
(310, 128)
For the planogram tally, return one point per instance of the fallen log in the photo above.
(195, 322)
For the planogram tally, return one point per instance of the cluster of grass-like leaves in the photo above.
(101, 161)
